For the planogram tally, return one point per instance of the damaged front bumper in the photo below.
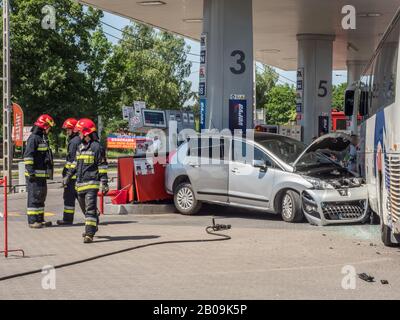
(336, 206)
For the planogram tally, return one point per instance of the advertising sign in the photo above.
(144, 167)
(121, 142)
(300, 91)
(202, 89)
(203, 80)
(203, 56)
(237, 114)
(139, 106)
(203, 107)
(127, 113)
(18, 129)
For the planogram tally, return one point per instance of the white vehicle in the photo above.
(377, 98)
(271, 173)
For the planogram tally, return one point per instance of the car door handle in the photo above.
(194, 165)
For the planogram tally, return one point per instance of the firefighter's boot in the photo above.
(88, 238)
(36, 225)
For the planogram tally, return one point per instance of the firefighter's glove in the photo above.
(104, 187)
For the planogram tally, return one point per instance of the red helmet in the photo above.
(45, 122)
(86, 126)
(70, 123)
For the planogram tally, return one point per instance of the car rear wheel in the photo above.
(185, 200)
(291, 207)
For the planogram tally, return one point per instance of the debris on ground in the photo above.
(366, 277)
(384, 282)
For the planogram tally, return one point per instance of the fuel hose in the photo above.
(211, 230)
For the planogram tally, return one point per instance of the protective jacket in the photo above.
(72, 148)
(38, 157)
(90, 166)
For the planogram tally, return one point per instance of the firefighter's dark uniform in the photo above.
(70, 194)
(90, 168)
(38, 161)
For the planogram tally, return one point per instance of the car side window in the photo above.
(245, 153)
(207, 148)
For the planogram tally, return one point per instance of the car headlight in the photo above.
(319, 184)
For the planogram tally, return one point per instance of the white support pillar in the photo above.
(228, 30)
(354, 72)
(315, 52)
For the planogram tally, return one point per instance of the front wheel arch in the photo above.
(295, 196)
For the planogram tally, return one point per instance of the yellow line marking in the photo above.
(14, 214)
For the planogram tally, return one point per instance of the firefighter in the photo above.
(90, 168)
(38, 160)
(69, 191)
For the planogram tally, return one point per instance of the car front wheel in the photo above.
(291, 207)
(185, 199)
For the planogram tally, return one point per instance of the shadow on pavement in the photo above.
(106, 223)
(231, 212)
(124, 238)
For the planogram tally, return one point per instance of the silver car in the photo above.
(273, 173)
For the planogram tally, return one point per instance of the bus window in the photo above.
(385, 70)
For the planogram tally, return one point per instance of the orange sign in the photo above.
(121, 142)
(18, 130)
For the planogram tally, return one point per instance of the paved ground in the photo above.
(266, 258)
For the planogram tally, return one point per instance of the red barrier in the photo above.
(6, 250)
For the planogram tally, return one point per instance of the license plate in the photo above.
(344, 192)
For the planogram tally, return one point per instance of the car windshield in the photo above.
(286, 149)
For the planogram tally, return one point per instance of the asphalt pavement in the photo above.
(265, 259)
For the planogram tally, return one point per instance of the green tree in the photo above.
(266, 79)
(150, 66)
(281, 106)
(49, 66)
(338, 94)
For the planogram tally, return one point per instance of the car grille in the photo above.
(393, 185)
(343, 211)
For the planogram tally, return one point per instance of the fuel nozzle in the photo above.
(219, 227)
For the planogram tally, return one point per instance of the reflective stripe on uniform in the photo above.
(86, 158)
(68, 165)
(38, 173)
(42, 147)
(28, 161)
(87, 187)
(35, 211)
(89, 221)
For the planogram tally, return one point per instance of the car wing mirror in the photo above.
(262, 165)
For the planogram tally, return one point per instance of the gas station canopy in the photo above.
(275, 24)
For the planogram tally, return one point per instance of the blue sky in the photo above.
(119, 22)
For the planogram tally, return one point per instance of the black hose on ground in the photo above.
(210, 230)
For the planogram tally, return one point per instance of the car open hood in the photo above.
(335, 142)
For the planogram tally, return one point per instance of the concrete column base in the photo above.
(139, 209)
